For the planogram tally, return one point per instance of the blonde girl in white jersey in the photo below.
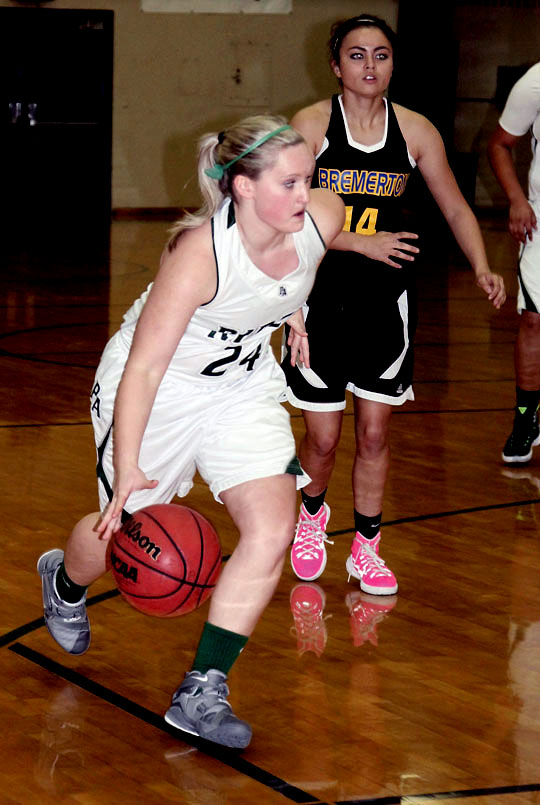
(193, 358)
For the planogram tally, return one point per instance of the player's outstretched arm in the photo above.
(428, 149)
(185, 280)
(386, 247)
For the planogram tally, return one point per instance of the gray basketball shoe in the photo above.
(200, 707)
(67, 623)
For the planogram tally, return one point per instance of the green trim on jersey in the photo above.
(294, 468)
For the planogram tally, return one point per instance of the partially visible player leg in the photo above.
(370, 470)
(372, 454)
(317, 452)
(64, 579)
(86, 553)
(525, 431)
(66, 575)
(317, 455)
(263, 511)
(319, 392)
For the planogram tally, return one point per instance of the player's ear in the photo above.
(244, 186)
(335, 67)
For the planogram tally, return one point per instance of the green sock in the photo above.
(218, 648)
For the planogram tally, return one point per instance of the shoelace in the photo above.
(221, 705)
(368, 559)
(311, 538)
(220, 689)
(220, 692)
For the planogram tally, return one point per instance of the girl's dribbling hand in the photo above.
(125, 483)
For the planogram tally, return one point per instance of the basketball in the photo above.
(166, 560)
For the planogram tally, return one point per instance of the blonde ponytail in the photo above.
(235, 151)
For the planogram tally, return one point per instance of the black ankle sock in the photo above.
(527, 401)
(367, 526)
(66, 588)
(313, 504)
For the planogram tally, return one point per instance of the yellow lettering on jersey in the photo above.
(375, 183)
(367, 225)
(348, 216)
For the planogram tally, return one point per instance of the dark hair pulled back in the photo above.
(341, 28)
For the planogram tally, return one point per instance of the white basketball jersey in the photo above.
(229, 337)
(522, 113)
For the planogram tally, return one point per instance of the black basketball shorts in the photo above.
(360, 341)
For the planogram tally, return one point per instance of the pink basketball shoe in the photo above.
(308, 553)
(365, 564)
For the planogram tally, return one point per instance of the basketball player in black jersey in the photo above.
(361, 311)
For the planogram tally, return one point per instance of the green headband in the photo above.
(217, 170)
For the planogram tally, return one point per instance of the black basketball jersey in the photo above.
(371, 180)
(361, 313)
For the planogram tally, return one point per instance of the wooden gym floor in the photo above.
(430, 695)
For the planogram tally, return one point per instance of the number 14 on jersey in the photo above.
(367, 224)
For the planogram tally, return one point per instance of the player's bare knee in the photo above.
(373, 442)
(273, 539)
(323, 445)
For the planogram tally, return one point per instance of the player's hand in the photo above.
(522, 221)
(126, 482)
(298, 339)
(493, 285)
(389, 246)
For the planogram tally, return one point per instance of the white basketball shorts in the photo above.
(230, 434)
(529, 272)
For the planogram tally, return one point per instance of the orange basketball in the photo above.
(166, 560)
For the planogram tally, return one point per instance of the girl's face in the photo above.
(365, 61)
(281, 193)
